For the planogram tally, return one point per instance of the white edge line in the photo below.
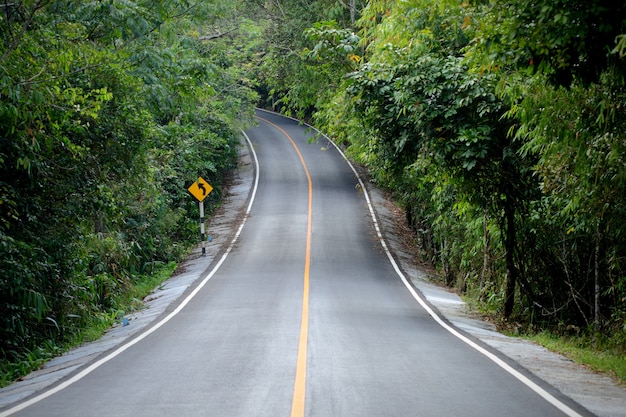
(154, 328)
(508, 368)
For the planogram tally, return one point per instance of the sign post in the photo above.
(200, 189)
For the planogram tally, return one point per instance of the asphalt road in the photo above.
(306, 316)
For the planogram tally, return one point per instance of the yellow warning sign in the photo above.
(200, 189)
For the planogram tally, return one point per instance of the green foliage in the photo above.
(431, 118)
(108, 110)
(578, 143)
(574, 136)
(598, 352)
(581, 146)
(294, 71)
(567, 39)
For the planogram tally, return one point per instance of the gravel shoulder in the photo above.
(596, 392)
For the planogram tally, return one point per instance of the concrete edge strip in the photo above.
(494, 358)
(155, 327)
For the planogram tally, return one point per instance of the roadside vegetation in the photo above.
(108, 111)
(605, 355)
(498, 126)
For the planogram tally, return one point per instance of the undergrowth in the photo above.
(603, 352)
(599, 353)
(128, 302)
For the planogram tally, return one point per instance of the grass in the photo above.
(601, 354)
(130, 301)
(28, 362)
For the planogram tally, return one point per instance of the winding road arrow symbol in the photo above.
(200, 189)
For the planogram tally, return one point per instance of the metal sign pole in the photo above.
(201, 204)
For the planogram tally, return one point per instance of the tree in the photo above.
(567, 39)
(423, 104)
(288, 77)
(565, 81)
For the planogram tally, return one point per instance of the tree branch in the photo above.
(40, 4)
(216, 35)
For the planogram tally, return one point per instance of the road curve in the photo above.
(306, 316)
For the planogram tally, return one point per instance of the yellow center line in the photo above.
(299, 390)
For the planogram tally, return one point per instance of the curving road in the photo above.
(306, 316)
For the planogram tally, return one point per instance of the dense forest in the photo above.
(498, 126)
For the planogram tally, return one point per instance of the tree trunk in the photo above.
(98, 222)
(444, 264)
(596, 281)
(509, 247)
(486, 271)
(352, 12)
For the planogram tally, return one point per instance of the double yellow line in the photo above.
(299, 390)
